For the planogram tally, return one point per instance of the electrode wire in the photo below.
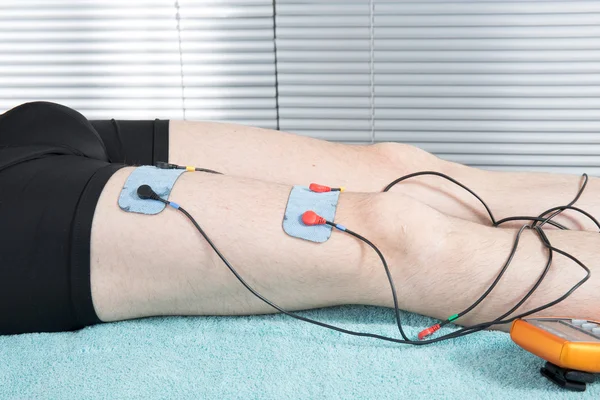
(459, 332)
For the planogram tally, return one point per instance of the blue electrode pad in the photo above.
(303, 199)
(160, 180)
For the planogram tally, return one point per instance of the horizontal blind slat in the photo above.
(290, 124)
(121, 4)
(324, 79)
(485, 44)
(486, 32)
(510, 148)
(487, 79)
(482, 126)
(487, 91)
(488, 20)
(195, 11)
(12, 81)
(323, 56)
(492, 115)
(317, 21)
(136, 24)
(261, 123)
(483, 8)
(139, 114)
(284, 9)
(324, 32)
(573, 67)
(486, 56)
(33, 70)
(227, 92)
(284, 67)
(490, 137)
(324, 113)
(158, 104)
(329, 90)
(520, 103)
(319, 44)
(325, 101)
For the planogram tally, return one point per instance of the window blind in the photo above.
(324, 69)
(495, 84)
(501, 85)
(194, 59)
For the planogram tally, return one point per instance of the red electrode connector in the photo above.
(315, 187)
(311, 218)
(423, 334)
(319, 188)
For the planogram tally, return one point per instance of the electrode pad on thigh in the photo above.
(160, 180)
(302, 199)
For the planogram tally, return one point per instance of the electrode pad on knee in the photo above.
(160, 180)
(302, 199)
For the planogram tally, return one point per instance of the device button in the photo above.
(589, 327)
(578, 322)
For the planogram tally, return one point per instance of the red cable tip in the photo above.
(319, 188)
(428, 331)
(311, 218)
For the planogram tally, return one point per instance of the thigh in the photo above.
(146, 265)
(292, 159)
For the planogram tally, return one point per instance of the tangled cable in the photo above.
(538, 229)
(536, 224)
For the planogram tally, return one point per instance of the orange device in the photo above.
(571, 347)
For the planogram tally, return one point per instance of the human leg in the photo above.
(467, 257)
(159, 265)
(291, 159)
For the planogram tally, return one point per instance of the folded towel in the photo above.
(269, 357)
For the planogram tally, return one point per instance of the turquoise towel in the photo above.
(268, 357)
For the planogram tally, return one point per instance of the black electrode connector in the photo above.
(166, 165)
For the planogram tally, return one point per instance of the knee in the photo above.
(405, 157)
(406, 225)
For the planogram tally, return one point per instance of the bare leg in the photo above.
(456, 266)
(159, 265)
(291, 159)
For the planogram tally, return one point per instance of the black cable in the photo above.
(498, 277)
(546, 243)
(415, 174)
(560, 209)
(166, 165)
(522, 218)
(535, 286)
(388, 273)
(210, 171)
(459, 332)
(552, 303)
(455, 334)
(497, 223)
(294, 315)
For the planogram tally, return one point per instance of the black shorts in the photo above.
(54, 164)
